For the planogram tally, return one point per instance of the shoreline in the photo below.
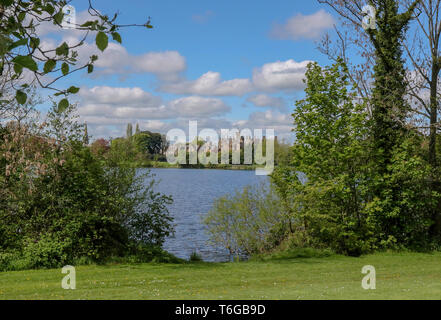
(165, 165)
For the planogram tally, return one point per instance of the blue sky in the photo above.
(224, 63)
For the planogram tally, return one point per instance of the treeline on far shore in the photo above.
(146, 149)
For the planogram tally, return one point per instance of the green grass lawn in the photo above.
(399, 276)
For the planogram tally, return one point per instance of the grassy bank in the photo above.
(399, 276)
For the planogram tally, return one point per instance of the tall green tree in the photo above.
(150, 142)
(390, 108)
(129, 131)
(385, 35)
(86, 135)
(326, 184)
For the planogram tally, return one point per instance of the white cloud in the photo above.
(210, 84)
(105, 104)
(119, 96)
(271, 77)
(115, 106)
(166, 65)
(303, 27)
(280, 122)
(194, 106)
(263, 100)
(280, 75)
(267, 119)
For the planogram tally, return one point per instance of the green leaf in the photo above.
(58, 18)
(5, 42)
(49, 9)
(63, 105)
(6, 3)
(26, 62)
(90, 68)
(18, 68)
(49, 66)
(88, 24)
(21, 16)
(21, 97)
(21, 42)
(34, 43)
(117, 37)
(65, 68)
(73, 90)
(62, 50)
(102, 41)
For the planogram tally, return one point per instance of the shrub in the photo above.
(61, 203)
(245, 223)
(195, 257)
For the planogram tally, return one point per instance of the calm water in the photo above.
(194, 192)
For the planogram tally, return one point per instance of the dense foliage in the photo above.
(335, 198)
(247, 222)
(61, 203)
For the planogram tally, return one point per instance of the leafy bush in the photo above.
(245, 223)
(47, 252)
(61, 203)
(195, 257)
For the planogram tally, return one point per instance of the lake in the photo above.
(194, 192)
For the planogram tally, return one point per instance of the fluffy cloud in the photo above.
(280, 122)
(109, 105)
(119, 96)
(303, 27)
(267, 119)
(113, 106)
(271, 77)
(115, 60)
(191, 107)
(263, 100)
(166, 65)
(280, 75)
(210, 84)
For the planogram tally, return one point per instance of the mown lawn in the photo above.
(399, 276)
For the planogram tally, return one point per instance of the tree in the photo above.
(129, 131)
(419, 92)
(326, 185)
(423, 50)
(100, 147)
(389, 108)
(150, 143)
(86, 136)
